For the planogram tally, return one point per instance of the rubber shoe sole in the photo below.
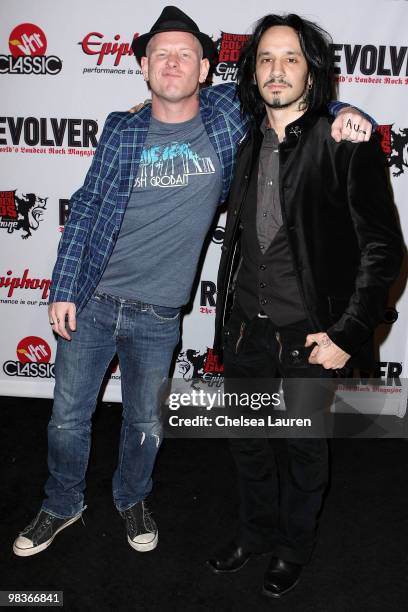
(144, 546)
(34, 550)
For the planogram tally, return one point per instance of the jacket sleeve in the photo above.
(84, 202)
(335, 106)
(380, 241)
(220, 95)
(224, 99)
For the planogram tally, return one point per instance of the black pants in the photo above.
(281, 481)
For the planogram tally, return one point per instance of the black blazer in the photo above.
(341, 225)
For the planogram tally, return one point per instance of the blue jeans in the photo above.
(144, 338)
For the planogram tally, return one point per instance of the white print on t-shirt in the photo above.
(170, 165)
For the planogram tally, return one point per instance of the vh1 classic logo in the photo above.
(28, 46)
(33, 359)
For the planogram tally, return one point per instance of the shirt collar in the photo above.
(293, 130)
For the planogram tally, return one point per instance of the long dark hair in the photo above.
(316, 46)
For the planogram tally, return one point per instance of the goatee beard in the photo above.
(276, 103)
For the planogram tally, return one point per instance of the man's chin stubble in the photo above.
(276, 104)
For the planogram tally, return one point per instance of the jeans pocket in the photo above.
(165, 313)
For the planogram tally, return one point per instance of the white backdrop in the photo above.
(65, 66)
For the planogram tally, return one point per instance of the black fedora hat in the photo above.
(172, 19)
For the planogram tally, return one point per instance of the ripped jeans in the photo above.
(144, 338)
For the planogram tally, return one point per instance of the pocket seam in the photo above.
(160, 318)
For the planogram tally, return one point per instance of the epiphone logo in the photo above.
(94, 44)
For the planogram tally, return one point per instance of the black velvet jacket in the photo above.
(341, 226)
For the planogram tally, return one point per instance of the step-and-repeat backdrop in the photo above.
(65, 66)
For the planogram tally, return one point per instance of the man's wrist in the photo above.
(337, 107)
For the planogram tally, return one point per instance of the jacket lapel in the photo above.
(132, 140)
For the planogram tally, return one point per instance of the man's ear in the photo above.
(144, 63)
(204, 68)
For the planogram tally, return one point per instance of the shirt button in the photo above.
(262, 246)
(270, 182)
(264, 214)
(262, 267)
(262, 285)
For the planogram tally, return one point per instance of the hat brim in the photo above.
(139, 44)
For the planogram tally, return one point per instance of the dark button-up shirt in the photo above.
(266, 280)
(269, 214)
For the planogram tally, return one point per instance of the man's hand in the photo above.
(138, 107)
(326, 353)
(350, 124)
(58, 312)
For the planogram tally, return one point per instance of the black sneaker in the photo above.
(141, 529)
(39, 534)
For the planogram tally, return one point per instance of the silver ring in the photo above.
(52, 323)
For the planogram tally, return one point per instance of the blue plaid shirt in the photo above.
(97, 208)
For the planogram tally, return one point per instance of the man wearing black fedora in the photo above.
(125, 267)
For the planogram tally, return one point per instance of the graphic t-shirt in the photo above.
(169, 212)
